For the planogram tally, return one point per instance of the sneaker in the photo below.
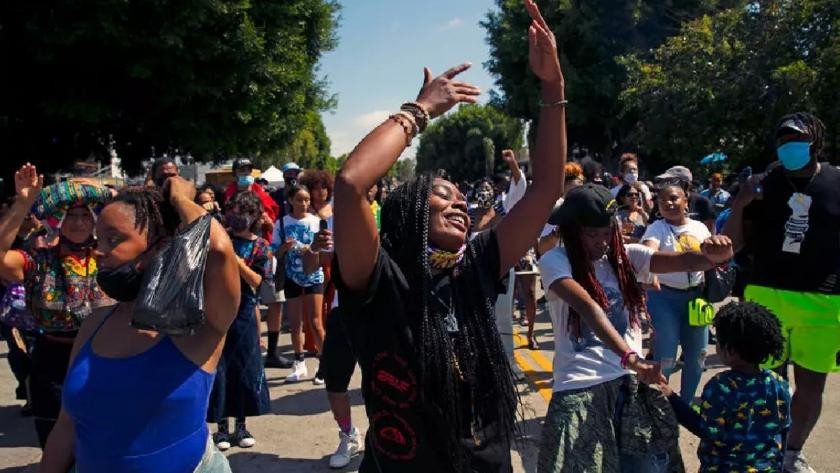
(298, 372)
(348, 446)
(222, 440)
(795, 462)
(278, 361)
(244, 439)
(318, 380)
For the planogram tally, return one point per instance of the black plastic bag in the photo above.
(171, 300)
(647, 423)
(719, 282)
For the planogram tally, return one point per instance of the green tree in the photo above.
(590, 35)
(334, 163)
(211, 78)
(456, 142)
(309, 147)
(724, 81)
(403, 170)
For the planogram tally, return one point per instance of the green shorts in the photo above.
(810, 324)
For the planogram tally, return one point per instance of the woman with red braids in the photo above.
(596, 304)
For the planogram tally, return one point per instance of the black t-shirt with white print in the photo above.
(796, 235)
(401, 438)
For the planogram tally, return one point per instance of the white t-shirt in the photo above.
(582, 362)
(680, 239)
(515, 192)
(548, 228)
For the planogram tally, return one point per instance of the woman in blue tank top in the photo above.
(135, 400)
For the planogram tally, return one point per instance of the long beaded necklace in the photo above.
(453, 329)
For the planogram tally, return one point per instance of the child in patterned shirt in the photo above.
(744, 413)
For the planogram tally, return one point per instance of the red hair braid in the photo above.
(583, 272)
(631, 291)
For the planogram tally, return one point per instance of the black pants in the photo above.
(50, 359)
(337, 358)
(19, 361)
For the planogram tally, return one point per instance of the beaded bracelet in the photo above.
(420, 115)
(409, 126)
(626, 357)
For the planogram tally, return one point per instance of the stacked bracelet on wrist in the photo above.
(421, 116)
(626, 357)
(406, 121)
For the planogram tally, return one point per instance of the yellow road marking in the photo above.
(540, 383)
(537, 355)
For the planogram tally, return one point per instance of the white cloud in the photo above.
(343, 140)
(452, 24)
(371, 119)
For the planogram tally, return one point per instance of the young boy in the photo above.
(744, 412)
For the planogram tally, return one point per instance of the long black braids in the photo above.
(471, 365)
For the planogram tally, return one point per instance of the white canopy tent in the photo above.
(273, 175)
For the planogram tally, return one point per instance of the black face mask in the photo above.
(123, 283)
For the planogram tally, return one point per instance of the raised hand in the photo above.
(28, 183)
(717, 249)
(441, 93)
(542, 47)
(508, 156)
(177, 188)
(748, 191)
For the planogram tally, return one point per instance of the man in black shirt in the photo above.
(791, 219)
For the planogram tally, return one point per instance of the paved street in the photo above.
(299, 434)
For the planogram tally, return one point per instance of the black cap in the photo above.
(242, 163)
(590, 205)
(792, 124)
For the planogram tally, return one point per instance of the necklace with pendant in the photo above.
(800, 197)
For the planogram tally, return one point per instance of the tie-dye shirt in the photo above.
(743, 419)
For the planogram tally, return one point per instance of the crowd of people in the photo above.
(412, 283)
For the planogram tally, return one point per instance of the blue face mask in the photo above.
(794, 155)
(245, 181)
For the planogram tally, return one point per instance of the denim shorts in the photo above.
(213, 460)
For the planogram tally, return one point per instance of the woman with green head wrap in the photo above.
(60, 280)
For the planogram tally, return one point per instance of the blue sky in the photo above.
(383, 46)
